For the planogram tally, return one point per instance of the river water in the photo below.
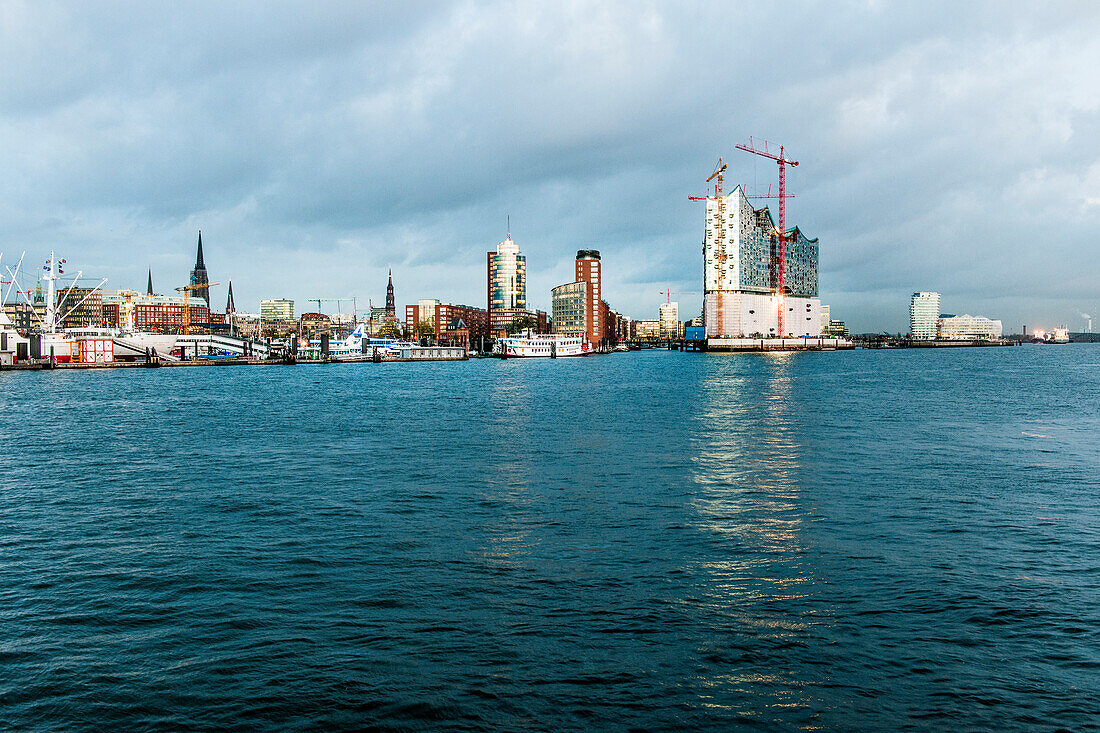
(651, 540)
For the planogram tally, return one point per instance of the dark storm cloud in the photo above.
(318, 144)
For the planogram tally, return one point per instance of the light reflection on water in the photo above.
(504, 537)
(746, 466)
(642, 541)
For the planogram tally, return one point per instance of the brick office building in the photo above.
(474, 321)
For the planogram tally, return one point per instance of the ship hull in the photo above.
(540, 347)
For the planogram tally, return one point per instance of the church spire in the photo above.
(199, 265)
(391, 307)
(149, 287)
(229, 306)
(199, 276)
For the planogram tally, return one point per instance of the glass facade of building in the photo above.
(741, 251)
(507, 277)
(276, 309)
(669, 316)
(570, 308)
(801, 264)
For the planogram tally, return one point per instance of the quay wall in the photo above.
(820, 343)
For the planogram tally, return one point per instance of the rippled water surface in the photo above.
(649, 540)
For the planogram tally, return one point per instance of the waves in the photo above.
(683, 541)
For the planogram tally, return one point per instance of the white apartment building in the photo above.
(668, 315)
(924, 312)
(967, 328)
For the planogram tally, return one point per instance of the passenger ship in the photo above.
(352, 347)
(546, 345)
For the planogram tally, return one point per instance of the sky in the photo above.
(952, 147)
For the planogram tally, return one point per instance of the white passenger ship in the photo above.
(352, 347)
(546, 345)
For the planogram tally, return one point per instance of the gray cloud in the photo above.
(318, 144)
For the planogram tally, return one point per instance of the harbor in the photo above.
(760, 294)
(478, 367)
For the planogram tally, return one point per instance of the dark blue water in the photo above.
(653, 540)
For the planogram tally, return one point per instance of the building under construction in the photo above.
(741, 263)
(759, 278)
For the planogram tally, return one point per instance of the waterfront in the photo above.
(866, 539)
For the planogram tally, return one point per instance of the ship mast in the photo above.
(50, 323)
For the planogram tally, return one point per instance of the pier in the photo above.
(809, 343)
(409, 354)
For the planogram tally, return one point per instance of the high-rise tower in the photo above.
(391, 306)
(507, 281)
(588, 270)
(924, 311)
(199, 276)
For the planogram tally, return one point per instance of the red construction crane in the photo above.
(768, 195)
(781, 257)
(668, 295)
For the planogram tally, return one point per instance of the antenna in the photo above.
(509, 226)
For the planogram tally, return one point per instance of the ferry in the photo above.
(541, 345)
(358, 345)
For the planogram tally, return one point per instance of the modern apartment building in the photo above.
(924, 311)
(78, 307)
(569, 308)
(646, 329)
(501, 321)
(578, 308)
(277, 309)
(967, 328)
(668, 315)
(587, 270)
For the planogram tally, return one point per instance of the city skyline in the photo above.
(933, 157)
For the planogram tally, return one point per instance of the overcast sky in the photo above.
(952, 147)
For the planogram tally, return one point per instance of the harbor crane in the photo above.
(186, 290)
(782, 161)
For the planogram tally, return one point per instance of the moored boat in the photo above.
(541, 345)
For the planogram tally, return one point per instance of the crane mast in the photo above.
(186, 290)
(720, 202)
(780, 251)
